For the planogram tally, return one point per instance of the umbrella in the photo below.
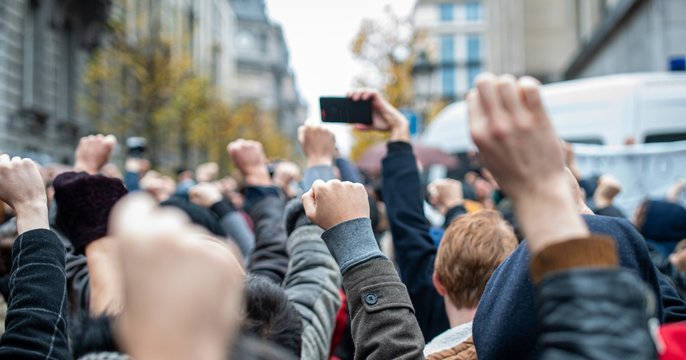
(370, 161)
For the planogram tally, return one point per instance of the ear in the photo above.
(437, 284)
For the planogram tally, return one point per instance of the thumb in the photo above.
(310, 204)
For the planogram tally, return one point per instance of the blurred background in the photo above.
(190, 75)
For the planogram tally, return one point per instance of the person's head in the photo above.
(471, 249)
(270, 316)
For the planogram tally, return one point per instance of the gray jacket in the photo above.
(312, 284)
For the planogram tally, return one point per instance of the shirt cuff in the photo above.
(254, 194)
(222, 207)
(352, 243)
(397, 146)
(596, 251)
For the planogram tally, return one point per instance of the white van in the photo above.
(606, 110)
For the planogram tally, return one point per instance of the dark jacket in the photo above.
(36, 322)
(266, 209)
(381, 315)
(505, 325)
(415, 252)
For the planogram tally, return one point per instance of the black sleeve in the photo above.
(36, 322)
(270, 257)
(414, 249)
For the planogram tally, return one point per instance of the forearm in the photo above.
(580, 291)
(312, 284)
(36, 322)
(269, 257)
(235, 226)
(32, 217)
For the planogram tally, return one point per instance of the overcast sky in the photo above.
(319, 33)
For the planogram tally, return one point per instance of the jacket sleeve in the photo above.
(312, 284)
(349, 172)
(235, 226)
(36, 322)
(382, 318)
(587, 307)
(267, 212)
(415, 252)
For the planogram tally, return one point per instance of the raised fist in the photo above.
(170, 266)
(335, 202)
(318, 144)
(446, 194)
(22, 188)
(205, 194)
(249, 158)
(94, 152)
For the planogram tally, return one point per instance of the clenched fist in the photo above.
(335, 202)
(94, 152)
(249, 158)
(22, 188)
(446, 194)
(205, 194)
(318, 144)
(517, 143)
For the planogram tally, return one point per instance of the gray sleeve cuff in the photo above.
(321, 172)
(352, 243)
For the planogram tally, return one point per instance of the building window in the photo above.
(448, 81)
(472, 72)
(445, 11)
(473, 48)
(473, 10)
(447, 49)
(32, 72)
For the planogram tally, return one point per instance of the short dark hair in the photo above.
(270, 316)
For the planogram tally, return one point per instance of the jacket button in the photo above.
(370, 299)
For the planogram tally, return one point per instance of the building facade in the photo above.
(633, 36)
(263, 67)
(44, 49)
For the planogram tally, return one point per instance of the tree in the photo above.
(142, 84)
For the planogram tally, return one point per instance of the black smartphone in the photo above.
(344, 110)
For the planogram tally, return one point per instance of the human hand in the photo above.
(385, 117)
(137, 165)
(249, 158)
(22, 188)
(207, 172)
(94, 152)
(284, 175)
(445, 194)
(518, 145)
(608, 187)
(318, 144)
(205, 194)
(335, 202)
(170, 266)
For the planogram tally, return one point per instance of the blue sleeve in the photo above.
(314, 173)
(414, 248)
(349, 172)
(131, 181)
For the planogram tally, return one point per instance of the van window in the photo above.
(665, 137)
(590, 141)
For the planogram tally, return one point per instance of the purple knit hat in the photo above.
(84, 203)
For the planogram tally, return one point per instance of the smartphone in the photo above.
(344, 110)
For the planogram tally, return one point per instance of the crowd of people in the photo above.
(530, 261)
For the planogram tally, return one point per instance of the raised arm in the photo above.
(36, 322)
(403, 194)
(382, 317)
(265, 206)
(587, 307)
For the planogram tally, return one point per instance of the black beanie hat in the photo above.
(84, 203)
